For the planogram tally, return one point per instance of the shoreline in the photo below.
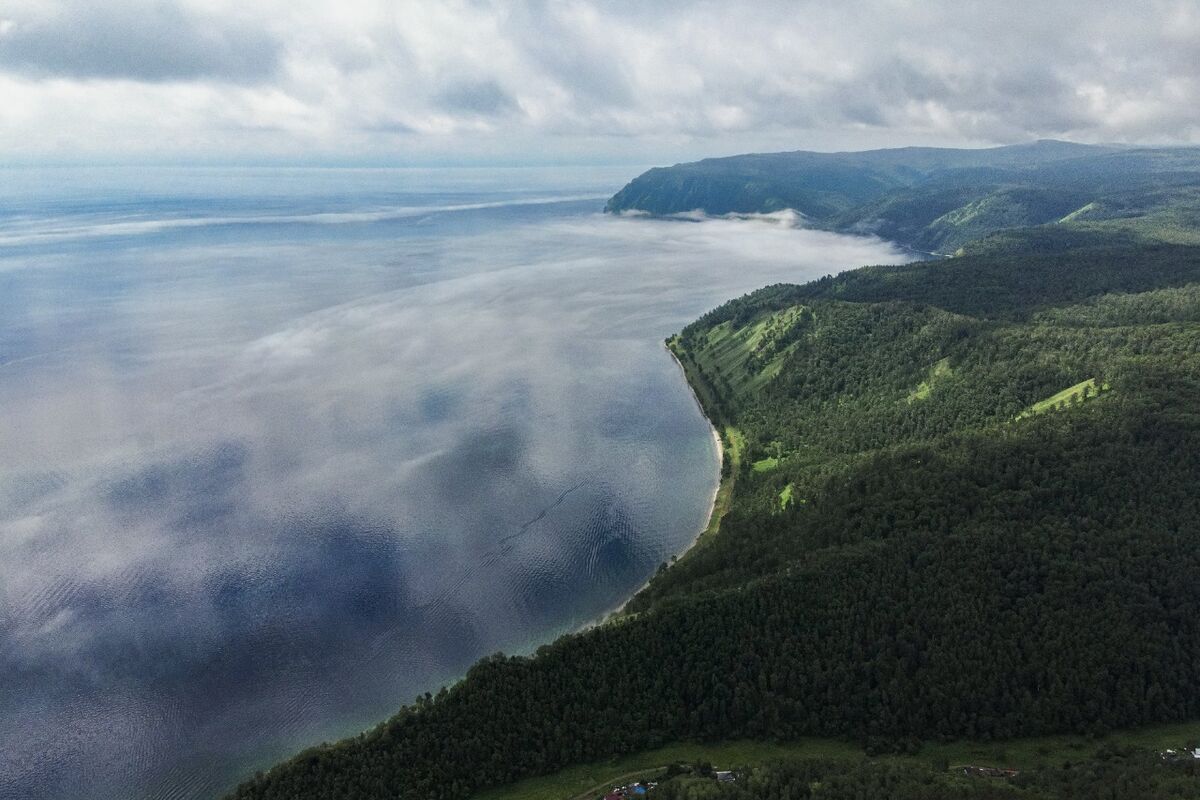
(609, 615)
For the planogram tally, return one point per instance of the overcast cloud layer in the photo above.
(472, 80)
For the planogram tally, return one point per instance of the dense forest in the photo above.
(966, 507)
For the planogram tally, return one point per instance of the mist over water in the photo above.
(284, 448)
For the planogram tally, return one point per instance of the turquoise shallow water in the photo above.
(284, 448)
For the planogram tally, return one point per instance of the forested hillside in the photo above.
(966, 507)
(940, 200)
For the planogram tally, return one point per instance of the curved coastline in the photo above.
(613, 613)
(720, 445)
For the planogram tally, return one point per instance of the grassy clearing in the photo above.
(1081, 213)
(587, 781)
(765, 465)
(1084, 390)
(938, 371)
(785, 496)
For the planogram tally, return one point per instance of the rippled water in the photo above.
(283, 448)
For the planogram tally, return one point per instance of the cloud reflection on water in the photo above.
(258, 492)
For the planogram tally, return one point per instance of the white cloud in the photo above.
(479, 80)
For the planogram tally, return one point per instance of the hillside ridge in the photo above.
(941, 199)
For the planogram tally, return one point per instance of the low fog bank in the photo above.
(260, 491)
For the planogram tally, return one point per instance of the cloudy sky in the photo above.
(621, 81)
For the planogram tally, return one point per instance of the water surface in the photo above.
(284, 448)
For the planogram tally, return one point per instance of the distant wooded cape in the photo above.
(964, 494)
(932, 199)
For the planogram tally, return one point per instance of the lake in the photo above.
(284, 448)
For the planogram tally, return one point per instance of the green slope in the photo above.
(1078, 393)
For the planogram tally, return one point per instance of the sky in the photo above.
(412, 82)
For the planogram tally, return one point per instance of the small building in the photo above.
(989, 772)
(1177, 755)
(725, 776)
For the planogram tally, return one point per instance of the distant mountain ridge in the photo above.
(940, 199)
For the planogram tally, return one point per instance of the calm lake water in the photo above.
(283, 448)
